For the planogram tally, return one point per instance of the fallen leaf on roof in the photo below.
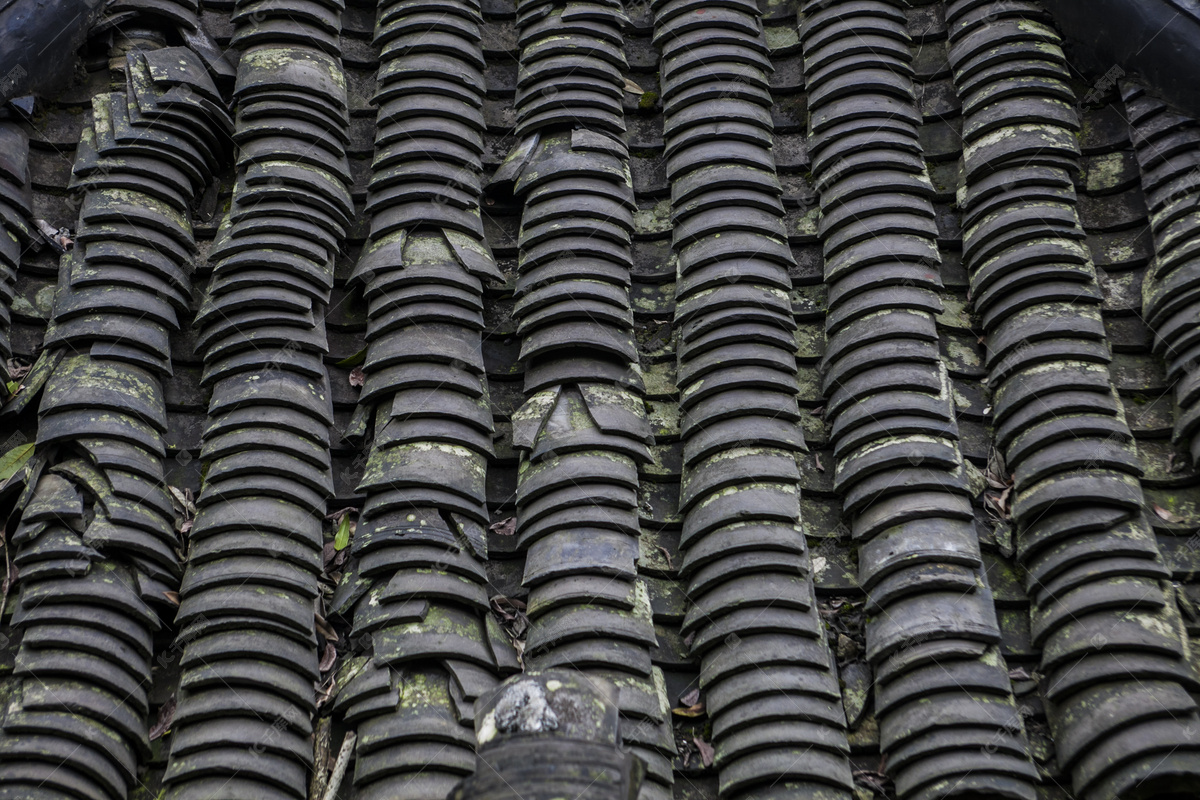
(325, 629)
(208, 201)
(354, 360)
(341, 539)
(696, 710)
(856, 690)
(328, 690)
(18, 369)
(10, 576)
(847, 648)
(183, 499)
(508, 608)
(172, 597)
(876, 781)
(519, 646)
(357, 377)
(707, 753)
(328, 658)
(166, 715)
(12, 461)
(511, 613)
(633, 88)
(690, 697)
(59, 237)
(998, 502)
(1169, 516)
(505, 527)
(510, 602)
(992, 482)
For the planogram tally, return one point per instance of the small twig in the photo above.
(7, 583)
(321, 758)
(339, 766)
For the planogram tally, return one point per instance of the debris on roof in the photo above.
(736, 400)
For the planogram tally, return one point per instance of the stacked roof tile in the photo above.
(16, 211)
(582, 430)
(246, 614)
(777, 722)
(1116, 675)
(812, 382)
(416, 587)
(948, 725)
(96, 541)
(1167, 144)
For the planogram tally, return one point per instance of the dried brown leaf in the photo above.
(172, 597)
(357, 377)
(505, 527)
(690, 697)
(707, 753)
(327, 690)
(999, 502)
(507, 605)
(876, 781)
(667, 555)
(633, 88)
(325, 629)
(328, 658)
(996, 468)
(820, 466)
(511, 613)
(1169, 516)
(519, 646)
(166, 715)
(18, 369)
(993, 482)
(183, 499)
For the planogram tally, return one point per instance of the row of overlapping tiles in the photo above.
(814, 477)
